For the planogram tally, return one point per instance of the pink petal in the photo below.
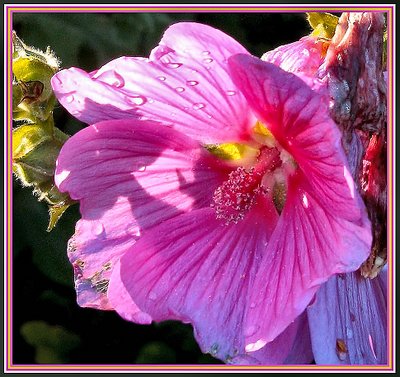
(301, 352)
(195, 269)
(128, 175)
(292, 346)
(352, 310)
(322, 202)
(303, 57)
(299, 120)
(185, 83)
(88, 100)
(309, 244)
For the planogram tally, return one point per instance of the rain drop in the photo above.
(230, 92)
(198, 106)
(69, 98)
(192, 83)
(135, 232)
(349, 333)
(112, 78)
(174, 65)
(98, 229)
(205, 53)
(137, 100)
(162, 78)
(208, 60)
(250, 330)
(142, 168)
(179, 89)
(305, 201)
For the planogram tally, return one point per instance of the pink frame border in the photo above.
(10, 9)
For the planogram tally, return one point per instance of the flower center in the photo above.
(234, 198)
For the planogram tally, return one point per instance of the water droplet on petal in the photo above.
(305, 53)
(98, 229)
(305, 201)
(119, 81)
(111, 78)
(230, 92)
(135, 232)
(349, 333)
(198, 106)
(142, 168)
(208, 60)
(205, 53)
(69, 98)
(250, 330)
(173, 65)
(162, 78)
(179, 89)
(137, 100)
(192, 82)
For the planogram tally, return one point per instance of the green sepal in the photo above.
(28, 136)
(323, 24)
(56, 211)
(35, 151)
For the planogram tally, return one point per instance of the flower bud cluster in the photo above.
(36, 141)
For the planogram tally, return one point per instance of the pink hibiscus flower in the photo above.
(213, 190)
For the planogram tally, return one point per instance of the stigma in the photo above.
(237, 195)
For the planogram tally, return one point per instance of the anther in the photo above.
(236, 196)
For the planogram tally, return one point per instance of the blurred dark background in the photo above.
(49, 327)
